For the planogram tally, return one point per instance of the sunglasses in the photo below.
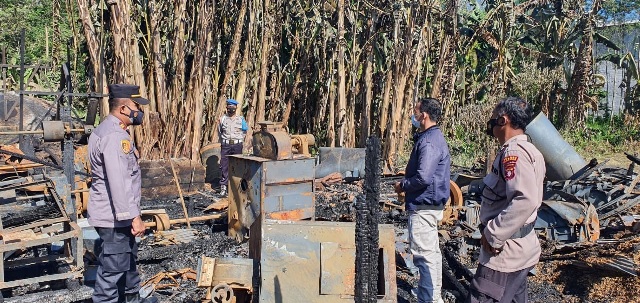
(495, 122)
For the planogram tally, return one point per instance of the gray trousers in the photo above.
(423, 238)
(117, 273)
(491, 286)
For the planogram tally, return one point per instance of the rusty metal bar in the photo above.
(35, 70)
(184, 220)
(633, 184)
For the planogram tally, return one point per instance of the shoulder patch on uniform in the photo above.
(126, 146)
(509, 165)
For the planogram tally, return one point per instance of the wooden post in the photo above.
(184, 208)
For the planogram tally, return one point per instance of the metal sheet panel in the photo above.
(291, 201)
(245, 176)
(291, 261)
(289, 171)
(337, 269)
(278, 189)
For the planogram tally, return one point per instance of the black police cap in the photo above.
(127, 91)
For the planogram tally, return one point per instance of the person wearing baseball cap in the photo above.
(114, 210)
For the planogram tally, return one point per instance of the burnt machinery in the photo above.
(59, 192)
(273, 183)
(33, 223)
(272, 205)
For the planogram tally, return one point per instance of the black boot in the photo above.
(135, 298)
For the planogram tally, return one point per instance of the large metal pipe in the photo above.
(561, 159)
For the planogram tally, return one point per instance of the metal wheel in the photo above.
(222, 293)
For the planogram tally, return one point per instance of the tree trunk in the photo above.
(264, 61)
(342, 90)
(93, 45)
(223, 94)
(365, 127)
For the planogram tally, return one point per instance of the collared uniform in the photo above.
(510, 201)
(114, 202)
(232, 132)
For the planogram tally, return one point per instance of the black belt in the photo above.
(231, 141)
(520, 233)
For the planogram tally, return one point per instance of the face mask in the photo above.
(415, 122)
(231, 111)
(135, 119)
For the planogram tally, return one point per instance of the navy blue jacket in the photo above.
(428, 172)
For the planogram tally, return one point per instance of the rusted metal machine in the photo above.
(273, 142)
(54, 131)
(158, 219)
(272, 205)
(272, 184)
(268, 189)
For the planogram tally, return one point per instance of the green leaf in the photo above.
(613, 58)
(604, 40)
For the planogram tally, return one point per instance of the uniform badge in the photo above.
(122, 125)
(509, 165)
(126, 146)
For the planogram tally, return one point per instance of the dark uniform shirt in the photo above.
(428, 172)
(114, 197)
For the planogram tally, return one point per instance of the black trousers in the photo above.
(491, 286)
(117, 273)
(225, 151)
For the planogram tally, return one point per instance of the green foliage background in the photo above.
(468, 143)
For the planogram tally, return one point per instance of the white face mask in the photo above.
(415, 122)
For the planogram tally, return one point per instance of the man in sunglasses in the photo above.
(510, 201)
(114, 210)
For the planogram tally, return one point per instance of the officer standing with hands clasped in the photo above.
(510, 201)
(114, 208)
(232, 129)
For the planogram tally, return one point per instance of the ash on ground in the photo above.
(555, 279)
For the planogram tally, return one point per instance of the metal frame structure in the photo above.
(72, 234)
